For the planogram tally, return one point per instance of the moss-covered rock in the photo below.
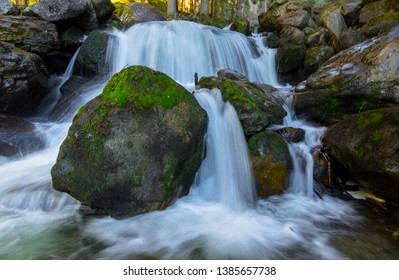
(135, 148)
(271, 163)
(290, 57)
(367, 145)
(255, 104)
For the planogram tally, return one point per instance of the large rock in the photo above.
(7, 7)
(30, 34)
(17, 137)
(103, 9)
(135, 148)
(367, 145)
(91, 60)
(255, 104)
(80, 12)
(360, 78)
(140, 12)
(334, 21)
(71, 39)
(290, 57)
(23, 80)
(58, 11)
(271, 163)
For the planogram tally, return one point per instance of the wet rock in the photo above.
(366, 144)
(135, 148)
(291, 134)
(17, 137)
(319, 37)
(271, 163)
(291, 34)
(91, 60)
(30, 34)
(23, 80)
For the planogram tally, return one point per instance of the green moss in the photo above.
(377, 137)
(328, 87)
(233, 92)
(361, 151)
(329, 107)
(142, 88)
(370, 119)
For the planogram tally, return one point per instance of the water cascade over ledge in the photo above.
(219, 219)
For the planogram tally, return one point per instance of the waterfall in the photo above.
(225, 174)
(203, 50)
(220, 218)
(301, 179)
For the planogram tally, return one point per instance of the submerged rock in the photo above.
(17, 137)
(23, 80)
(135, 148)
(367, 145)
(271, 163)
(255, 104)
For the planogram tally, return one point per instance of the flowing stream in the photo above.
(221, 217)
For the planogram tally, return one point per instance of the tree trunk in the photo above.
(172, 4)
(204, 8)
(240, 8)
(222, 8)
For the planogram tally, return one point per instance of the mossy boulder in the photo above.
(290, 57)
(255, 104)
(134, 148)
(30, 34)
(103, 8)
(360, 78)
(92, 58)
(367, 145)
(23, 80)
(271, 163)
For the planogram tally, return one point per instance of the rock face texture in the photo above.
(360, 78)
(135, 148)
(30, 34)
(367, 144)
(23, 80)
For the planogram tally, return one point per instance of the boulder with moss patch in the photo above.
(255, 104)
(135, 148)
(367, 145)
(271, 163)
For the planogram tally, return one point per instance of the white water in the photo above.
(220, 218)
(203, 50)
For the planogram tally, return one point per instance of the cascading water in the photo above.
(203, 50)
(220, 218)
